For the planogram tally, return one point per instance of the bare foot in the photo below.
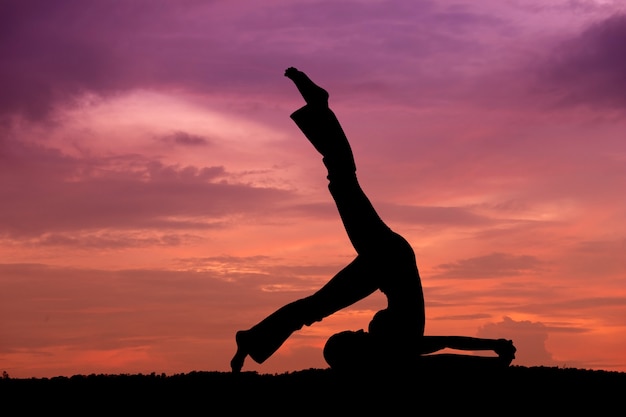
(312, 93)
(506, 350)
(236, 363)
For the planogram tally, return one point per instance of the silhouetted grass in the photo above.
(430, 391)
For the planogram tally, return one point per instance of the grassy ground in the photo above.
(430, 391)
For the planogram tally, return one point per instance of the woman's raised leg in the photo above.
(350, 285)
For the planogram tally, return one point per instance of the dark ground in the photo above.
(511, 391)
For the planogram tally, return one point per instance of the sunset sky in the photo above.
(156, 197)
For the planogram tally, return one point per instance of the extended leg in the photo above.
(350, 285)
(321, 127)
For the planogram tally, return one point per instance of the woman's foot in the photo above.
(313, 94)
(505, 350)
(236, 363)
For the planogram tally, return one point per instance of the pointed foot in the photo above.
(236, 363)
(506, 350)
(313, 94)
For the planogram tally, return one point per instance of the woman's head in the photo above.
(349, 351)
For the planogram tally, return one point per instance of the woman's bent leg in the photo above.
(350, 285)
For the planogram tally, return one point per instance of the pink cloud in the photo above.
(55, 54)
(49, 192)
(185, 139)
(529, 339)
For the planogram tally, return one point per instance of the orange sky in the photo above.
(157, 198)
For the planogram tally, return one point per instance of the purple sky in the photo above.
(157, 198)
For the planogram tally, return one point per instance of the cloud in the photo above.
(417, 53)
(528, 337)
(76, 309)
(495, 265)
(416, 215)
(89, 308)
(185, 139)
(116, 240)
(270, 266)
(430, 215)
(47, 192)
(580, 306)
(463, 317)
(589, 69)
(55, 54)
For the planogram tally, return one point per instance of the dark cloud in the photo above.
(589, 69)
(121, 239)
(45, 192)
(52, 54)
(495, 265)
(185, 139)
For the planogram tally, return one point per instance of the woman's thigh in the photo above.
(353, 283)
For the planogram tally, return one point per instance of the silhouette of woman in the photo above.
(385, 261)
